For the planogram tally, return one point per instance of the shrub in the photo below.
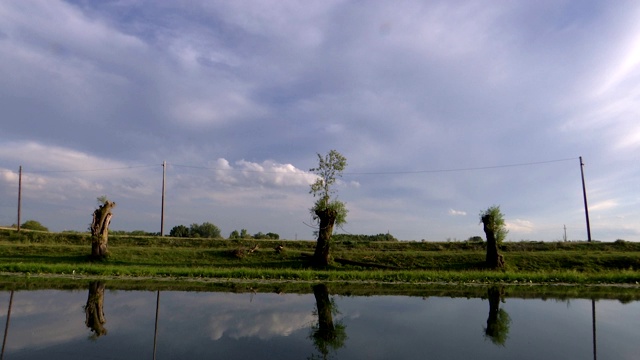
(33, 225)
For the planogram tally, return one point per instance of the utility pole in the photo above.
(6, 327)
(164, 171)
(593, 317)
(155, 333)
(584, 195)
(19, 195)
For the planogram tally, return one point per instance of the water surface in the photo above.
(113, 324)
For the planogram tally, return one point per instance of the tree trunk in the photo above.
(493, 260)
(327, 335)
(327, 220)
(325, 317)
(493, 293)
(498, 322)
(100, 230)
(94, 310)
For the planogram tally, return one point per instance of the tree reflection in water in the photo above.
(95, 319)
(327, 336)
(498, 322)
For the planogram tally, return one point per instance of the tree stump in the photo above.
(100, 229)
(327, 219)
(494, 260)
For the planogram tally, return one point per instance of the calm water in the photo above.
(53, 324)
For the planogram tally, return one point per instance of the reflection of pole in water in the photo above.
(155, 333)
(593, 316)
(6, 327)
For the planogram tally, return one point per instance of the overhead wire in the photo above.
(459, 169)
(391, 172)
(87, 170)
(403, 172)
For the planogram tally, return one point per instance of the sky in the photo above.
(442, 109)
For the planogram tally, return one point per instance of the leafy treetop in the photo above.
(329, 168)
(102, 199)
(494, 220)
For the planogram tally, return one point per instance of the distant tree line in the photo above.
(475, 239)
(211, 231)
(134, 233)
(354, 237)
(31, 225)
(204, 230)
(244, 234)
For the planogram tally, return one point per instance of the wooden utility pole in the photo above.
(584, 195)
(155, 333)
(6, 327)
(593, 318)
(19, 194)
(164, 172)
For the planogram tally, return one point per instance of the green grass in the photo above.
(37, 253)
(554, 291)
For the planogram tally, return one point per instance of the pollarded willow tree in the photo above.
(100, 228)
(328, 211)
(496, 231)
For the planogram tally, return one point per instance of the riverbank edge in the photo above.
(556, 291)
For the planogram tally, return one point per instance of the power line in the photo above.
(459, 169)
(199, 167)
(392, 172)
(91, 170)
(239, 170)
(305, 172)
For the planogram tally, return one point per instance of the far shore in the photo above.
(38, 257)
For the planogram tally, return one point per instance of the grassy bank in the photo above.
(540, 291)
(33, 253)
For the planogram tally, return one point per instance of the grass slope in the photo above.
(33, 253)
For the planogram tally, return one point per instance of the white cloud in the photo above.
(520, 226)
(9, 176)
(626, 62)
(457, 212)
(52, 318)
(224, 172)
(263, 325)
(58, 172)
(268, 173)
(214, 109)
(41, 157)
(603, 205)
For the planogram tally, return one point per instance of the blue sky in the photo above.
(428, 101)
